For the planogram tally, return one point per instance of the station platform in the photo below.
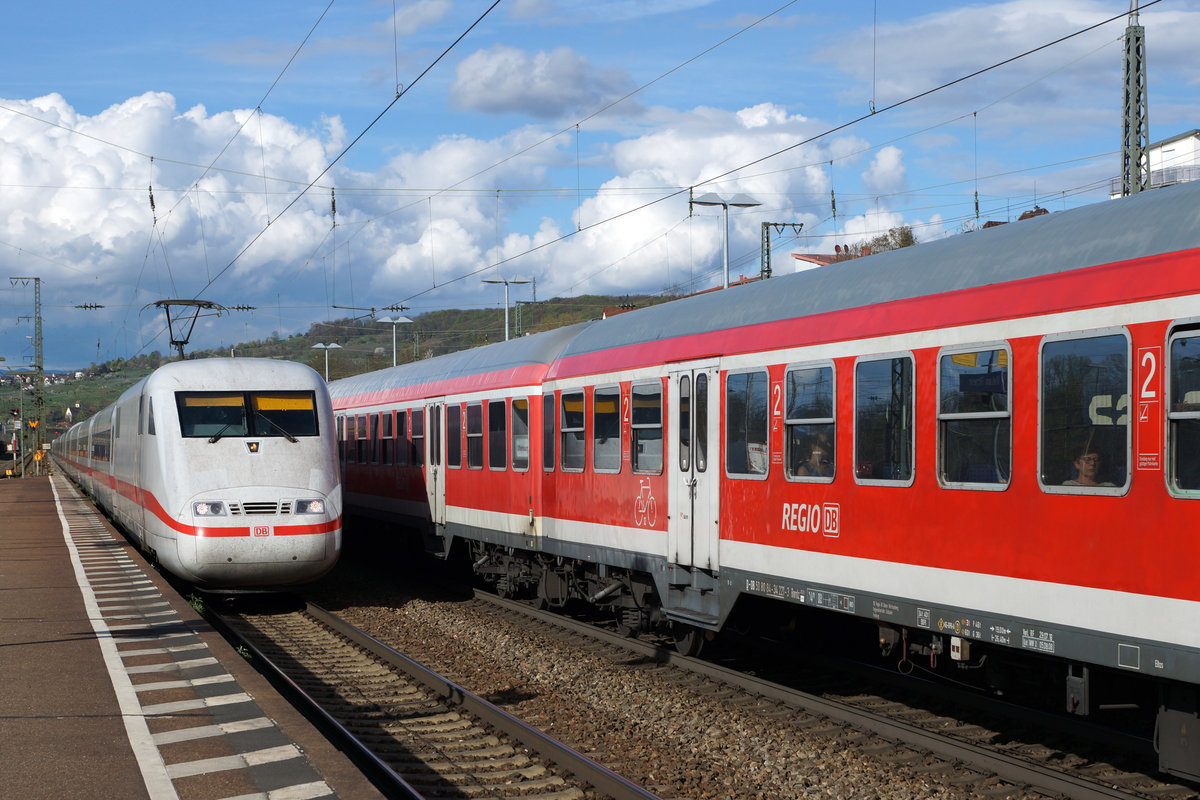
(113, 686)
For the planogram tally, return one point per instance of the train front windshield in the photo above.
(217, 415)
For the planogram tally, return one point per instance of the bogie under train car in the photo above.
(223, 469)
(985, 448)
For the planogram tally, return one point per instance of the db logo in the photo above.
(262, 530)
(831, 519)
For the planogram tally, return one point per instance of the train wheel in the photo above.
(689, 640)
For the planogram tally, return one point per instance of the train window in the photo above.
(746, 448)
(685, 423)
(1183, 414)
(497, 435)
(883, 420)
(150, 416)
(117, 423)
(435, 435)
(361, 430)
(520, 435)
(453, 435)
(475, 436)
(606, 429)
(573, 431)
(1084, 420)
(348, 429)
(386, 437)
(646, 425)
(401, 438)
(283, 414)
(809, 438)
(701, 422)
(418, 437)
(974, 419)
(102, 439)
(212, 414)
(548, 417)
(376, 438)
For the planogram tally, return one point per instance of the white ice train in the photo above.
(223, 469)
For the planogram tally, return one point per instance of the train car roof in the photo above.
(1160, 221)
(230, 373)
(510, 363)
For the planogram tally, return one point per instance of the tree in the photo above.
(894, 239)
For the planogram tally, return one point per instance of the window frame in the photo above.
(607, 390)
(563, 430)
(660, 426)
(477, 435)
(743, 476)
(549, 431)
(454, 436)
(492, 435)
(698, 411)
(402, 446)
(1180, 329)
(912, 436)
(417, 434)
(514, 437)
(1096, 333)
(790, 421)
(683, 458)
(982, 347)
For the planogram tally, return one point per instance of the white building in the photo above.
(1174, 160)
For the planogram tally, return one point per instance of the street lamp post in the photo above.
(326, 348)
(394, 321)
(737, 201)
(506, 283)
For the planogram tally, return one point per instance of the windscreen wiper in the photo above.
(276, 426)
(213, 439)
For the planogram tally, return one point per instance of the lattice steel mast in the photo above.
(1135, 137)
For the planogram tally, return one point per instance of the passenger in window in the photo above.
(819, 463)
(1087, 470)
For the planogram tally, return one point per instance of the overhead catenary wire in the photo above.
(840, 127)
(577, 188)
(343, 152)
(347, 148)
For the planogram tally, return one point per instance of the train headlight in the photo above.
(310, 506)
(209, 508)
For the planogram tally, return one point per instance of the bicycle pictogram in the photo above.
(645, 509)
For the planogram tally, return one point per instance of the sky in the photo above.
(307, 161)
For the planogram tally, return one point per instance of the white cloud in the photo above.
(544, 85)
(886, 174)
(412, 17)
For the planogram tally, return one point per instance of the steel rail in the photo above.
(600, 777)
(1011, 769)
(383, 776)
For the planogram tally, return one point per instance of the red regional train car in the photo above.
(985, 446)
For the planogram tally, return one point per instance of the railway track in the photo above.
(417, 732)
(981, 761)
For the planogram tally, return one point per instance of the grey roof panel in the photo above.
(533, 350)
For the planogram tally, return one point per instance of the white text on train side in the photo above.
(812, 518)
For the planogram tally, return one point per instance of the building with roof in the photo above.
(1173, 160)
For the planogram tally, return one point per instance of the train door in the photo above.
(693, 466)
(435, 479)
